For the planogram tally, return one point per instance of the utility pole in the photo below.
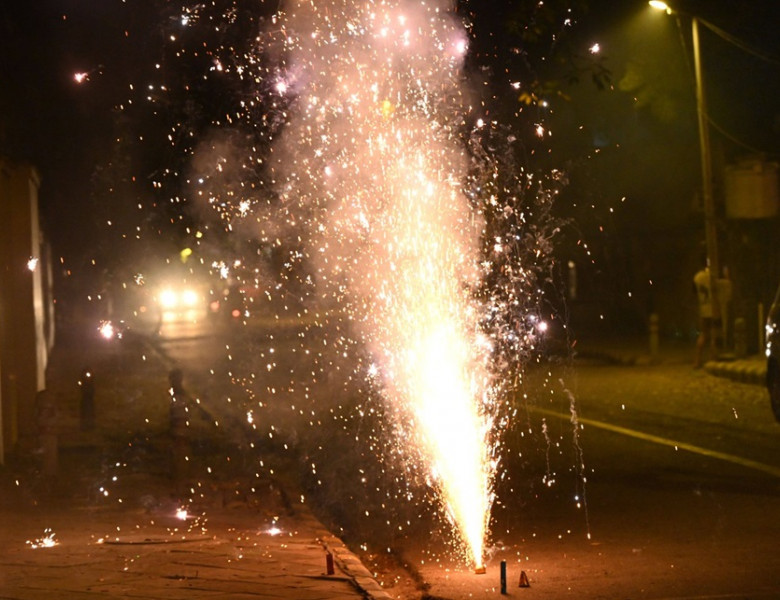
(710, 229)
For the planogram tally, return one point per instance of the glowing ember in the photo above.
(107, 330)
(181, 514)
(47, 541)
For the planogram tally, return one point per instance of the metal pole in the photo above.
(329, 568)
(710, 230)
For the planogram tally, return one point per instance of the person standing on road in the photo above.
(702, 285)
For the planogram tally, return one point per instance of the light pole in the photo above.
(708, 200)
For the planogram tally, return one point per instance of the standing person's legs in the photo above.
(703, 341)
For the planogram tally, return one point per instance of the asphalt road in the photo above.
(616, 482)
(678, 485)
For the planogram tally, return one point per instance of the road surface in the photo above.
(616, 482)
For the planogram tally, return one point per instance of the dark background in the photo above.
(620, 125)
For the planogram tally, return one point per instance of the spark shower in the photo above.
(350, 166)
(373, 164)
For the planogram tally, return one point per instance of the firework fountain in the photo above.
(359, 183)
(374, 168)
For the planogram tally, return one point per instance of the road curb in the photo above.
(751, 370)
(742, 371)
(348, 562)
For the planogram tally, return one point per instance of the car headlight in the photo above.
(169, 299)
(189, 298)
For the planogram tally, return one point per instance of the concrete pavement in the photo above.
(103, 518)
(111, 523)
(747, 370)
(125, 554)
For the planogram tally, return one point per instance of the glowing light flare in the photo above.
(454, 432)
(659, 5)
(169, 299)
(221, 268)
(107, 330)
(387, 109)
(427, 334)
(189, 298)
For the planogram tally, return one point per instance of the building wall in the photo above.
(25, 336)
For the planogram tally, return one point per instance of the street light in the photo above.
(657, 4)
(710, 230)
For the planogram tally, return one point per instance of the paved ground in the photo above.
(110, 522)
(107, 522)
(153, 554)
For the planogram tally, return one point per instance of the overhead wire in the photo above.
(742, 45)
(722, 131)
(737, 42)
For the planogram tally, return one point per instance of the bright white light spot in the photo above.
(168, 299)
(107, 330)
(594, 49)
(32, 264)
(658, 5)
(189, 298)
(223, 269)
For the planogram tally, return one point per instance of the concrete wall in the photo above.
(26, 333)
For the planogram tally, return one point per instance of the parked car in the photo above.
(773, 355)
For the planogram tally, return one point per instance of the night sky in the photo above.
(100, 146)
